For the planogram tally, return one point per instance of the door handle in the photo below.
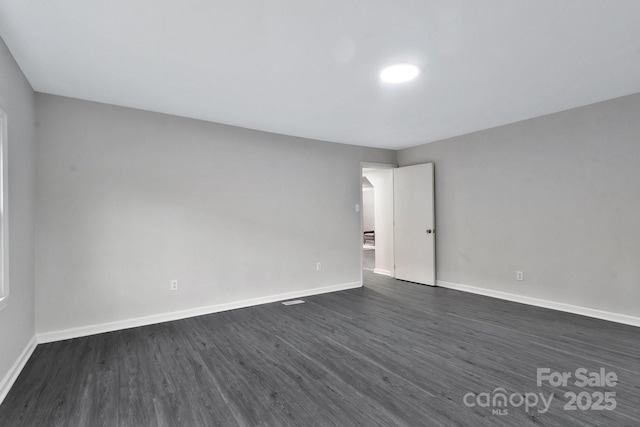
(429, 231)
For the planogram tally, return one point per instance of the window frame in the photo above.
(4, 212)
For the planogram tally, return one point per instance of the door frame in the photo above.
(368, 165)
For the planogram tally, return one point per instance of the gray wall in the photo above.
(368, 210)
(17, 318)
(129, 200)
(557, 197)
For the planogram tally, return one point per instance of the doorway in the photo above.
(368, 225)
(377, 218)
(398, 221)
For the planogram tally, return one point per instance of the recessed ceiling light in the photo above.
(399, 73)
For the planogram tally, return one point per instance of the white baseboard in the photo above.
(383, 272)
(569, 308)
(17, 367)
(83, 331)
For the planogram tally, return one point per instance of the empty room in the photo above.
(414, 213)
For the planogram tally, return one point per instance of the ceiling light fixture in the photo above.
(399, 73)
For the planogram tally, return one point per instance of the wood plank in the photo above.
(392, 353)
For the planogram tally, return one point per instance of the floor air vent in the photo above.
(293, 302)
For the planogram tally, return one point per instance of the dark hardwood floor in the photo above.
(391, 353)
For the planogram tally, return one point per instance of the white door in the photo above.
(414, 230)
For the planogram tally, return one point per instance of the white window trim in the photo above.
(4, 213)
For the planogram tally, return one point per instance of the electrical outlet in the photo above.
(174, 285)
(318, 266)
(357, 208)
(519, 275)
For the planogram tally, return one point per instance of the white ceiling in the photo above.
(310, 68)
